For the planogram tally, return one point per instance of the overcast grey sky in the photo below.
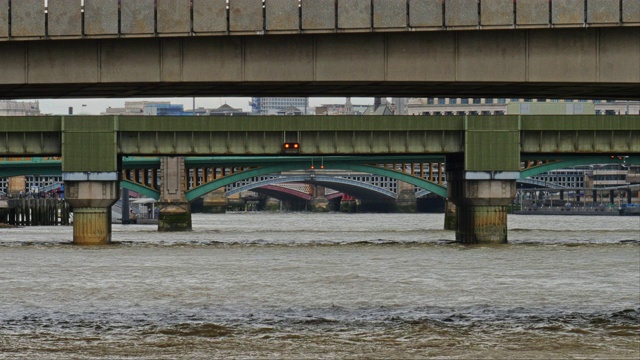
(96, 106)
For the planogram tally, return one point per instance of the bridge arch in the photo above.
(323, 180)
(140, 189)
(213, 185)
(569, 161)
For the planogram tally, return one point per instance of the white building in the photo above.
(503, 106)
(19, 108)
(272, 105)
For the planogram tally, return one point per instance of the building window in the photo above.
(477, 101)
(464, 101)
(453, 101)
(441, 101)
(488, 101)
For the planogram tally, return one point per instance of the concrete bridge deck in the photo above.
(64, 19)
(500, 48)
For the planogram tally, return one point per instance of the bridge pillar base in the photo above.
(450, 216)
(91, 226)
(174, 211)
(215, 202)
(407, 201)
(91, 202)
(481, 206)
(174, 216)
(319, 205)
(481, 224)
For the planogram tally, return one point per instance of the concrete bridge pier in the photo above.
(174, 211)
(481, 206)
(450, 215)
(406, 202)
(215, 202)
(318, 202)
(91, 202)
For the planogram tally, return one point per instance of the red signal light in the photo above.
(291, 147)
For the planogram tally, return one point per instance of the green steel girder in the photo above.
(137, 162)
(568, 161)
(210, 161)
(213, 185)
(19, 168)
(140, 189)
(90, 143)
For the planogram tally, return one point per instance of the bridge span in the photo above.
(483, 154)
(467, 48)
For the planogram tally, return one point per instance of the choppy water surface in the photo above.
(260, 285)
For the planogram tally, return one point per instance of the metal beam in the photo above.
(213, 185)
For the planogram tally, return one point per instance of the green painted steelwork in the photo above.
(492, 143)
(210, 161)
(568, 162)
(20, 168)
(579, 122)
(89, 144)
(213, 185)
(489, 143)
(285, 163)
(140, 189)
(135, 162)
(290, 123)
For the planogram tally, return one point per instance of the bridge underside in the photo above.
(324, 89)
(592, 63)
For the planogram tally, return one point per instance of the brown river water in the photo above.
(346, 286)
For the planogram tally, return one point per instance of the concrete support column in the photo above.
(215, 202)
(450, 215)
(174, 211)
(406, 201)
(481, 205)
(91, 202)
(92, 226)
(481, 224)
(318, 202)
